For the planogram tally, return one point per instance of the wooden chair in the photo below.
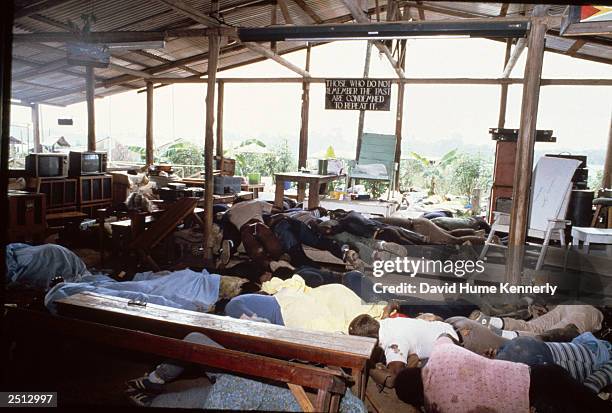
(145, 240)
(551, 191)
(603, 208)
(376, 149)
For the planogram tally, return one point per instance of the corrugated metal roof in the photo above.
(65, 84)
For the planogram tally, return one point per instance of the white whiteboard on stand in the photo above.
(552, 183)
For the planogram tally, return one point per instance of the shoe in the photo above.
(143, 384)
(393, 248)
(352, 260)
(139, 399)
(274, 265)
(226, 252)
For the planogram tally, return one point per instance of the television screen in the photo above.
(49, 166)
(90, 163)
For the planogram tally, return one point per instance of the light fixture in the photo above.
(149, 44)
(386, 31)
(374, 37)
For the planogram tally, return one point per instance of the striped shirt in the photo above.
(577, 359)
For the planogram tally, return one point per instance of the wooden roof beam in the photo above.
(168, 66)
(67, 71)
(113, 65)
(421, 10)
(309, 11)
(516, 53)
(108, 37)
(48, 67)
(164, 60)
(191, 12)
(285, 11)
(575, 47)
(503, 11)
(277, 58)
(37, 8)
(361, 17)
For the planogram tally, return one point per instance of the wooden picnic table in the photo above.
(314, 182)
(330, 349)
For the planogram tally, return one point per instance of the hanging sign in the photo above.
(358, 94)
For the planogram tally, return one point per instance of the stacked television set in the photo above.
(77, 181)
(94, 186)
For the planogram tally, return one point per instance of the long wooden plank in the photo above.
(408, 81)
(177, 349)
(334, 349)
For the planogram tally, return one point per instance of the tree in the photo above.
(433, 170)
(470, 172)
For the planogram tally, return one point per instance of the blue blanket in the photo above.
(186, 289)
(35, 266)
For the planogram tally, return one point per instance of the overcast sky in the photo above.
(435, 117)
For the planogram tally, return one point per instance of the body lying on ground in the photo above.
(457, 380)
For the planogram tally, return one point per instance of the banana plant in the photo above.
(432, 169)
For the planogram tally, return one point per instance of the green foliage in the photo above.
(375, 188)
(455, 173)
(184, 153)
(433, 170)
(179, 153)
(595, 180)
(471, 172)
(278, 158)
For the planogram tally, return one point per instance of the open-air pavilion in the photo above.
(146, 45)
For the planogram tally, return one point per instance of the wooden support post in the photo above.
(6, 61)
(503, 99)
(273, 19)
(213, 61)
(607, 171)
(399, 116)
(303, 149)
(366, 73)
(90, 92)
(519, 217)
(220, 94)
(149, 153)
(36, 127)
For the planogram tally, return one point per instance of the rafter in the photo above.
(164, 60)
(37, 8)
(361, 17)
(282, 4)
(516, 53)
(191, 12)
(309, 11)
(577, 45)
(277, 58)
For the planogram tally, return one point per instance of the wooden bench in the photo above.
(329, 349)
(330, 384)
